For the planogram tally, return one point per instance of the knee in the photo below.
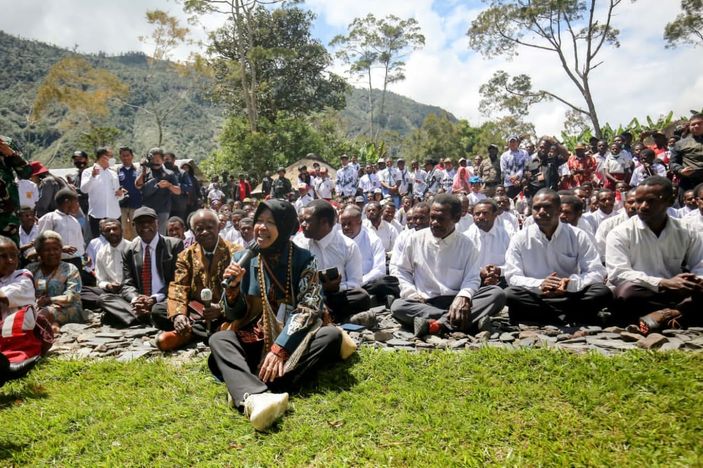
(513, 294)
(329, 337)
(625, 291)
(496, 296)
(218, 340)
(397, 306)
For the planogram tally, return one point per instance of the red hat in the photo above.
(37, 168)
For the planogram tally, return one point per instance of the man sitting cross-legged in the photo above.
(491, 241)
(553, 269)
(338, 259)
(373, 256)
(656, 262)
(201, 266)
(148, 265)
(439, 275)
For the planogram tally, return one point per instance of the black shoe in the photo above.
(18, 370)
(389, 301)
(421, 327)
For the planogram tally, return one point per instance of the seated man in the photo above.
(439, 277)
(62, 220)
(695, 218)
(334, 251)
(108, 265)
(91, 252)
(505, 214)
(553, 269)
(373, 257)
(628, 211)
(419, 219)
(466, 219)
(606, 208)
(201, 266)
(25, 335)
(28, 232)
(375, 222)
(176, 228)
(148, 267)
(490, 240)
(656, 262)
(570, 213)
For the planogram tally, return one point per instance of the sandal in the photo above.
(655, 321)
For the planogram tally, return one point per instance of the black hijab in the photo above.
(286, 219)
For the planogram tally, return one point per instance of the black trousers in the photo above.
(344, 304)
(90, 297)
(633, 301)
(118, 313)
(581, 306)
(238, 363)
(382, 287)
(487, 301)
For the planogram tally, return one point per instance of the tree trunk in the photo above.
(371, 135)
(591, 108)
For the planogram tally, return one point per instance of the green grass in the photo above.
(495, 407)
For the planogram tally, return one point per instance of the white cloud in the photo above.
(640, 78)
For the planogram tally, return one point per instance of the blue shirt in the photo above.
(127, 177)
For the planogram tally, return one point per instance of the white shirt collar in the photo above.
(327, 240)
(152, 244)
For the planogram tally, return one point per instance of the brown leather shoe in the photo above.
(170, 340)
(658, 319)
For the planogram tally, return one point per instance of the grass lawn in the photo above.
(531, 407)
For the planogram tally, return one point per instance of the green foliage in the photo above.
(687, 28)
(438, 137)
(276, 143)
(482, 408)
(97, 137)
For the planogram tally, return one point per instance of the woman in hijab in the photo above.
(274, 304)
(461, 180)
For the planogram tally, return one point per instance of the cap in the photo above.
(38, 168)
(400, 160)
(462, 160)
(344, 156)
(447, 160)
(359, 199)
(475, 180)
(581, 145)
(303, 186)
(378, 190)
(513, 137)
(156, 150)
(144, 211)
(492, 146)
(281, 169)
(381, 160)
(247, 200)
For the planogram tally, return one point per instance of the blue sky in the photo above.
(638, 79)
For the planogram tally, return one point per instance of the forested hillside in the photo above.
(190, 127)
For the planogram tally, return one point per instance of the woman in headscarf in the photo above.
(461, 180)
(274, 305)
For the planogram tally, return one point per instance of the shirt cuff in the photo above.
(159, 297)
(103, 284)
(467, 293)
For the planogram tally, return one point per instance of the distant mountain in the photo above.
(191, 128)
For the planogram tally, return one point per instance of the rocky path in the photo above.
(95, 341)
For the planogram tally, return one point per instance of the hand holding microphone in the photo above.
(235, 271)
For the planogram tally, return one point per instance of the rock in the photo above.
(527, 334)
(614, 330)
(403, 335)
(608, 336)
(482, 336)
(506, 337)
(458, 344)
(74, 327)
(436, 341)
(110, 335)
(563, 336)
(389, 350)
(140, 332)
(528, 342)
(83, 353)
(652, 341)
(632, 329)
(495, 336)
(696, 329)
(577, 339)
(672, 332)
(592, 329)
(423, 345)
(382, 336)
(628, 336)
(395, 342)
(458, 335)
(610, 344)
(499, 344)
(671, 345)
(575, 347)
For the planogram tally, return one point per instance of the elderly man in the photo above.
(491, 240)
(338, 259)
(374, 280)
(188, 315)
(553, 269)
(656, 262)
(433, 303)
(148, 267)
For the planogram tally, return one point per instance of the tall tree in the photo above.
(83, 93)
(570, 30)
(384, 43)
(290, 66)
(687, 28)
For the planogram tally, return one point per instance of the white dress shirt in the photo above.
(232, 236)
(640, 173)
(531, 257)
(419, 184)
(491, 245)
(18, 289)
(335, 250)
(102, 201)
(510, 222)
(605, 228)
(92, 251)
(27, 237)
(693, 219)
(28, 191)
(431, 267)
(157, 282)
(108, 264)
(400, 241)
(396, 225)
(323, 187)
(475, 197)
(596, 217)
(68, 227)
(634, 253)
(386, 232)
(685, 211)
(465, 223)
(373, 256)
(302, 202)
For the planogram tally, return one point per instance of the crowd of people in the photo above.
(271, 280)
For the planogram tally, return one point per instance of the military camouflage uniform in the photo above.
(9, 195)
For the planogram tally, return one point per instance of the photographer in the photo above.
(158, 186)
(11, 163)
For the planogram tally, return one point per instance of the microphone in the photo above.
(251, 252)
(206, 297)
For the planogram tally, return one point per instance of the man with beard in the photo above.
(148, 267)
(453, 301)
(200, 266)
(553, 269)
(158, 184)
(655, 263)
(491, 241)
